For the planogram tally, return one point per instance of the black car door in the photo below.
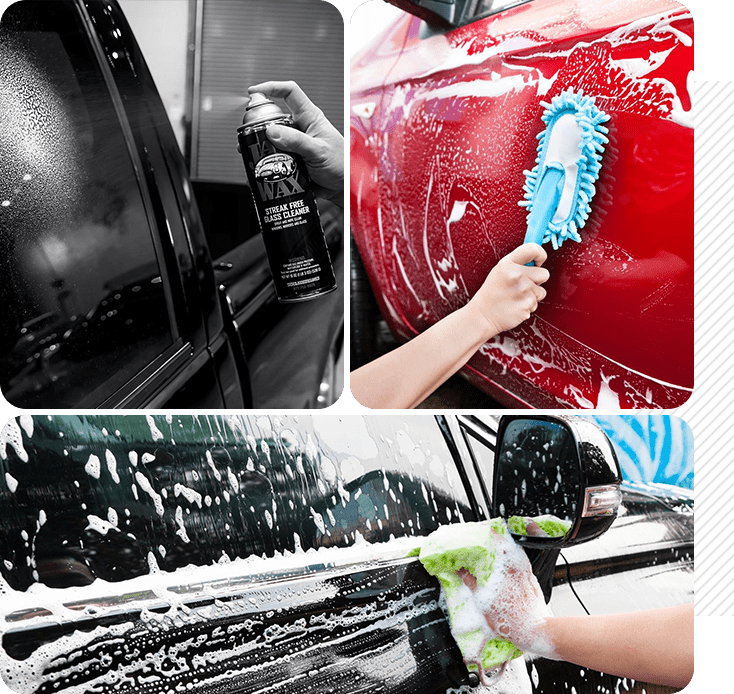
(102, 301)
(225, 554)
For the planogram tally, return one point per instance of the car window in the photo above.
(87, 497)
(83, 304)
(484, 7)
(403, 482)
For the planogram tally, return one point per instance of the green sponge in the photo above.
(465, 559)
(549, 525)
(446, 554)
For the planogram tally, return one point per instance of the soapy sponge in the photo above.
(467, 546)
(471, 562)
(539, 526)
(447, 554)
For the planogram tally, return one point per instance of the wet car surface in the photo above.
(109, 294)
(232, 554)
(444, 123)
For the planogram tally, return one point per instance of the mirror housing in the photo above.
(436, 13)
(563, 466)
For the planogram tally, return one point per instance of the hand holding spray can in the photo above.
(286, 208)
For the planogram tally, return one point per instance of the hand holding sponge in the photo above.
(494, 602)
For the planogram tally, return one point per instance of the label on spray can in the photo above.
(289, 219)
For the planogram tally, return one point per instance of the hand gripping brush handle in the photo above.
(559, 189)
(550, 191)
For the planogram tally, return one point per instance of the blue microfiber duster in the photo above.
(559, 189)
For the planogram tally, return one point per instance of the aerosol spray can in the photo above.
(289, 219)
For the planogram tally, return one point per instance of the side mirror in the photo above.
(561, 468)
(437, 13)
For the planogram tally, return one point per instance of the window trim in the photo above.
(135, 159)
(451, 443)
(133, 392)
(136, 392)
(479, 431)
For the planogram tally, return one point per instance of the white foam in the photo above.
(93, 467)
(191, 495)
(607, 398)
(181, 532)
(99, 525)
(146, 486)
(11, 436)
(112, 466)
(26, 423)
(679, 114)
(11, 482)
(233, 482)
(210, 463)
(155, 432)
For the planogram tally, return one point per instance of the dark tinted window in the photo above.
(82, 304)
(86, 497)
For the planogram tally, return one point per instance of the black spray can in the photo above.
(286, 208)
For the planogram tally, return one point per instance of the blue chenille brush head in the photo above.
(544, 201)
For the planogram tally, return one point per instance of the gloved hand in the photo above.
(314, 138)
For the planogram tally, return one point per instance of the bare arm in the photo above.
(404, 377)
(407, 375)
(653, 646)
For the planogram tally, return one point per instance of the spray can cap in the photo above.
(261, 109)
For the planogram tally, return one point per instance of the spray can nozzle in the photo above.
(260, 109)
(256, 99)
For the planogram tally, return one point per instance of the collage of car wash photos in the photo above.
(412, 416)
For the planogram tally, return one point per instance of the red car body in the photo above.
(444, 123)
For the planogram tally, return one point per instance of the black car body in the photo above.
(224, 554)
(109, 294)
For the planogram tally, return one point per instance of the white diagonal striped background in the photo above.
(710, 410)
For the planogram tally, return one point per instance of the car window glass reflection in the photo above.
(538, 470)
(80, 280)
(90, 497)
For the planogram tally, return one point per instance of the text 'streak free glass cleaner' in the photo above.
(286, 208)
